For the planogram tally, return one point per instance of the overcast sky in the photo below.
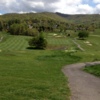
(63, 6)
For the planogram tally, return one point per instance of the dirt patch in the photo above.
(53, 47)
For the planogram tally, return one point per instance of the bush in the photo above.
(83, 34)
(38, 42)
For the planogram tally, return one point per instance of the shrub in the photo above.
(83, 34)
(38, 42)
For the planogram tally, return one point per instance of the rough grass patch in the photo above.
(95, 70)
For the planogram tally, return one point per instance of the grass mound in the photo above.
(93, 70)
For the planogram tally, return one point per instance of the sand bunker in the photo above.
(88, 43)
(58, 36)
(54, 34)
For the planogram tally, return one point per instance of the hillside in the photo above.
(42, 15)
(33, 23)
(79, 18)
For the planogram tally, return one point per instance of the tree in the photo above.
(1, 25)
(83, 34)
(38, 42)
(32, 32)
(18, 29)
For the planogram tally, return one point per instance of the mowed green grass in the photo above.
(95, 70)
(17, 43)
(32, 74)
(91, 45)
(92, 52)
(93, 40)
(11, 43)
(60, 42)
(96, 32)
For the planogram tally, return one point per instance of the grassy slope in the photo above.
(44, 15)
(92, 53)
(93, 70)
(32, 74)
(86, 19)
(60, 42)
(97, 32)
(11, 43)
(36, 74)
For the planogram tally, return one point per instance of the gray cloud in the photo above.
(97, 9)
(37, 6)
(27, 5)
(45, 1)
(64, 6)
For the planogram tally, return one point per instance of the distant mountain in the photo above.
(52, 20)
(77, 19)
(81, 18)
(42, 15)
(62, 15)
(33, 23)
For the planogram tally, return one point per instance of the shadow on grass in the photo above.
(34, 48)
(81, 38)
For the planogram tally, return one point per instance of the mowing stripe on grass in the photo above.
(14, 43)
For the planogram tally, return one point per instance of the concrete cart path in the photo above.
(83, 86)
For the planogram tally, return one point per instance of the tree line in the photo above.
(32, 25)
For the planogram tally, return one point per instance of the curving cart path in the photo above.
(83, 86)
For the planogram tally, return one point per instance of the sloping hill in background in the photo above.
(42, 15)
(48, 22)
(79, 18)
